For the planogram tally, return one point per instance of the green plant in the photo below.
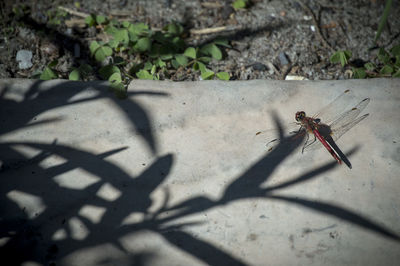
(341, 57)
(388, 63)
(238, 4)
(49, 71)
(383, 20)
(134, 50)
(55, 17)
(81, 72)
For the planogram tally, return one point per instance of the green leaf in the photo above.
(199, 66)
(181, 59)
(126, 24)
(223, 75)
(48, 74)
(160, 63)
(369, 66)
(205, 59)
(397, 74)
(133, 37)
(383, 56)
(239, 4)
(93, 47)
(53, 64)
(178, 43)
(395, 51)
(85, 69)
(222, 42)
(138, 28)
(190, 52)
(383, 20)
(175, 64)
(153, 69)
(110, 29)
(119, 61)
(121, 36)
(213, 50)
(90, 20)
(144, 74)
(106, 71)
(102, 53)
(115, 78)
(386, 70)
(397, 61)
(165, 53)
(148, 65)
(74, 75)
(341, 56)
(359, 73)
(174, 28)
(143, 44)
(100, 19)
(208, 74)
(113, 44)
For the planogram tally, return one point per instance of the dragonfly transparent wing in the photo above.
(343, 123)
(269, 138)
(331, 112)
(348, 120)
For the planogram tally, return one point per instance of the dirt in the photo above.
(269, 39)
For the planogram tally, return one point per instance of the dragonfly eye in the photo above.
(300, 116)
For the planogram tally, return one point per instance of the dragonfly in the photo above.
(327, 126)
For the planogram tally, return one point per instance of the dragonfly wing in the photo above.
(331, 112)
(341, 125)
(270, 138)
(348, 119)
(338, 132)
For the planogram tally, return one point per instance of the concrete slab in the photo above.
(175, 175)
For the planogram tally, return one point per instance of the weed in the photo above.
(388, 63)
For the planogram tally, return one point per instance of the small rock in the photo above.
(25, 34)
(259, 66)
(295, 77)
(283, 59)
(24, 59)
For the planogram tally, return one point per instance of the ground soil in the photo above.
(270, 39)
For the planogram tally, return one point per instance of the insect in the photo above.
(328, 125)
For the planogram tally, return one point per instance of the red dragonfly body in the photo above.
(312, 125)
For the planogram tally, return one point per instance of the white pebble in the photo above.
(24, 59)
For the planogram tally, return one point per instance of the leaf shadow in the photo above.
(31, 236)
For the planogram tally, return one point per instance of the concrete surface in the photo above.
(175, 175)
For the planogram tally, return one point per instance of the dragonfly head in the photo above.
(300, 116)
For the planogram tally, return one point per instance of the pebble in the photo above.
(283, 59)
(259, 66)
(24, 59)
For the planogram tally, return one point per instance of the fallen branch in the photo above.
(73, 12)
(212, 30)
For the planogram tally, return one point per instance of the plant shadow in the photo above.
(32, 236)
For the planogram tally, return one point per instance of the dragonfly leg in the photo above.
(297, 131)
(306, 144)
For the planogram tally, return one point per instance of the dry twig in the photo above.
(73, 12)
(213, 30)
